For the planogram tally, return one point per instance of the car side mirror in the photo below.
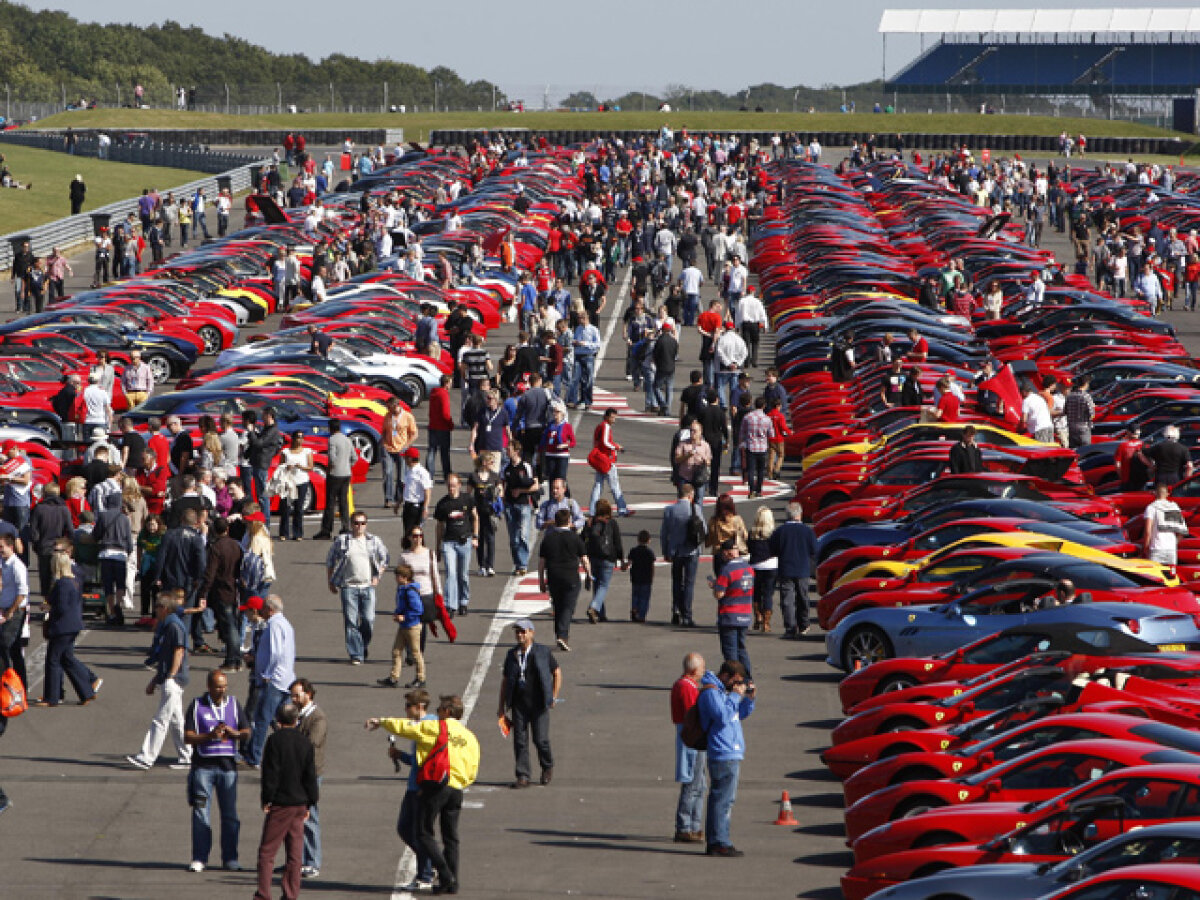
(986, 759)
(992, 787)
(1090, 831)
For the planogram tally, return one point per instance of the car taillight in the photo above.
(1134, 626)
(1196, 619)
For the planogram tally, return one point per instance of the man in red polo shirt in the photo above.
(919, 352)
(152, 477)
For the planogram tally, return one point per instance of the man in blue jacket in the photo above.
(725, 699)
(795, 545)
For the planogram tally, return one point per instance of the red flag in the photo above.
(1004, 385)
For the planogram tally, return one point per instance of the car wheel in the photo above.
(865, 645)
(896, 683)
(416, 384)
(211, 337)
(832, 498)
(898, 725)
(833, 550)
(49, 427)
(383, 386)
(160, 367)
(362, 442)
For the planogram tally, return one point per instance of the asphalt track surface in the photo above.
(86, 825)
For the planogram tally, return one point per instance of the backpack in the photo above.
(252, 574)
(600, 540)
(435, 770)
(12, 694)
(692, 734)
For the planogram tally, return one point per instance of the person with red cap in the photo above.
(417, 490)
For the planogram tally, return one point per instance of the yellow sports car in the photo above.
(922, 431)
(1143, 568)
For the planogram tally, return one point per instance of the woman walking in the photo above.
(725, 525)
(485, 488)
(765, 565)
(602, 538)
(64, 621)
(298, 462)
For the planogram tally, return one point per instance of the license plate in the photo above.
(1172, 648)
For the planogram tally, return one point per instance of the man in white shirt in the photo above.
(1163, 519)
(1036, 415)
(96, 403)
(1036, 292)
(14, 607)
(690, 280)
(731, 353)
(737, 282)
(751, 319)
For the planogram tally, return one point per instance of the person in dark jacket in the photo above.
(263, 444)
(965, 456)
(528, 691)
(795, 545)
(64, 621)
(219, 587)
(77, 193)
(714, 422)
(49, 522)
(114, 537)
(180, 563)
(289, 788)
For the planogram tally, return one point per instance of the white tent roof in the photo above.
(1040, 21)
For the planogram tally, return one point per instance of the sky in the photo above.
(525, 45)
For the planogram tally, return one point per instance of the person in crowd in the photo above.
(606, 554)
(169, 657)
(766, 568)
(529, 690)
(561, 554)
(521, 489)
(729, 699)
(64, 621)
(605, 448)
(273, 673)
(353, 567)
(795, 546)
(288, 791)
(690, 764)
(457, 532)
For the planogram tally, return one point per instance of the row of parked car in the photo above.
(194, 317)
(1007, 735)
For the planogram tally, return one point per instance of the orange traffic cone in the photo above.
(785, 811)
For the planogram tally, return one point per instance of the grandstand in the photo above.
(1095, 53)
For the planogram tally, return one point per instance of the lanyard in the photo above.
(522, 661)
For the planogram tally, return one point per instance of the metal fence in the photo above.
(140, 151)
(75, 230)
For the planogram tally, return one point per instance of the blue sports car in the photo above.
(886, 632)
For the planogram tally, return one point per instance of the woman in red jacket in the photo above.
(441, 423)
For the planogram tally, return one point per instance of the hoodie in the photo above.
(112, 532)
(49, 521)
(721, 714)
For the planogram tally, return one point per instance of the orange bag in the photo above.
(12, 694)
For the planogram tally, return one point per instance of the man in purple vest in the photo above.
(213, 726)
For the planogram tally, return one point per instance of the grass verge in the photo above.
(50, 174)
(418, 125)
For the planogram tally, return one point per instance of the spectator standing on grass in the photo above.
(690, 764)
(77, 193)
(353, 567)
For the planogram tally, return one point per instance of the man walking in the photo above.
(689, 763)
(457, 532)
(665, 353)
(734, 590)
(137, 379)
(521, 488)
(219, 587)
(214, 723)
(795, 545)
(337, 481)
(274, 671)
(725, 699)
(558, 500)
(314, 726)
(353, 566)
(168, 655)
(289, 790)
(681, 541)
(262, 446)
(528, 691)
(756, 434)
(730, 352)
(560, 556)
(440, 801)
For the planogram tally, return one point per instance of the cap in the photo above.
(523, 625)
(667, 326)
(255, 603)
(412, 453)
(10, 446)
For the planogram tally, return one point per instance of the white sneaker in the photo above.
(181, 763)
(417, 885)
(137, 762)
(310, 872)
(196, 866)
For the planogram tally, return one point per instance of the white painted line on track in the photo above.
(511, 609)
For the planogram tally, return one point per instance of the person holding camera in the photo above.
(213, 725)
(725, 699)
